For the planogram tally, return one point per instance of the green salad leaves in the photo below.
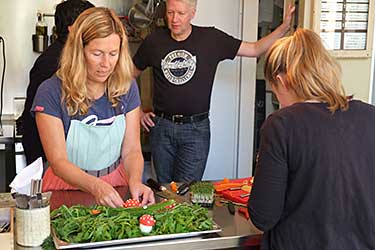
(79, 224)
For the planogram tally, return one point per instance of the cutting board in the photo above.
(234, 195)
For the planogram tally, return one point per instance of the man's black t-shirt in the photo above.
(184, 71)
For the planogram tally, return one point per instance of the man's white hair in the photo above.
(192, 3)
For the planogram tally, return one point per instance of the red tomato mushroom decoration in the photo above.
(146, 222)
(170, 206)
(131, 203)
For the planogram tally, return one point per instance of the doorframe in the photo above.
(372, 74)
(246, 111)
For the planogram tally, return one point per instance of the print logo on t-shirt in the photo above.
(179, 66)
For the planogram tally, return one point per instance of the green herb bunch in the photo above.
(202, 192)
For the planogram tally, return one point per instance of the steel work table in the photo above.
(237, 232)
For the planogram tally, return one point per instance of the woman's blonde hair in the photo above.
(93, 23)
(311, 72)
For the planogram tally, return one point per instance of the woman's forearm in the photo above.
(133, 163)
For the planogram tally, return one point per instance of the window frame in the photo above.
(346, 53)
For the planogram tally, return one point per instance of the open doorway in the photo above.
(270, 17)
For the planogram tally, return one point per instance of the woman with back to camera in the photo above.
(88, 114)
(313, 187)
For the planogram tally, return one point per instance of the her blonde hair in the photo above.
(311, 72)
(91, 24)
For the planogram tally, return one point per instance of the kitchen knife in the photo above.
(164, 192)
(183, 189)
(231, 208)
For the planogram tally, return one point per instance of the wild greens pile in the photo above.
(79, 224)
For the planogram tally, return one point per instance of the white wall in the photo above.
(356, 71)
(17, 24)
(233, 97)
(222, 158)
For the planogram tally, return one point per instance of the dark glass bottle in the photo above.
(41, 26)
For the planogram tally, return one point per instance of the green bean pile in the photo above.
(78, 224)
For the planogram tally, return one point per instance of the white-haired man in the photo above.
(184, 59)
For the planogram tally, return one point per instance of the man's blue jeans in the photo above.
(179, 151)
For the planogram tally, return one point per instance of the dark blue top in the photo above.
(314, 183)
(48, 101)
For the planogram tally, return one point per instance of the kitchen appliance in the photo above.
(7, 159)
(142, 14)
(40, 43)
(40, 38)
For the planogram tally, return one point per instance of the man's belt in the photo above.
(181, 119)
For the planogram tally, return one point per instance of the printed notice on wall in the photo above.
(344, 24)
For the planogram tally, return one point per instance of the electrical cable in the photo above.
(2, 86)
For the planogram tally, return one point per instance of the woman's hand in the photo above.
(138, 189)
(132, 157)
(106, 195)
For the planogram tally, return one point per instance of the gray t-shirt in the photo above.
(48, 101)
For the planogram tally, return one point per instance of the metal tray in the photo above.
(59, 244)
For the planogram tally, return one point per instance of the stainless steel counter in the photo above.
(237, 232)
